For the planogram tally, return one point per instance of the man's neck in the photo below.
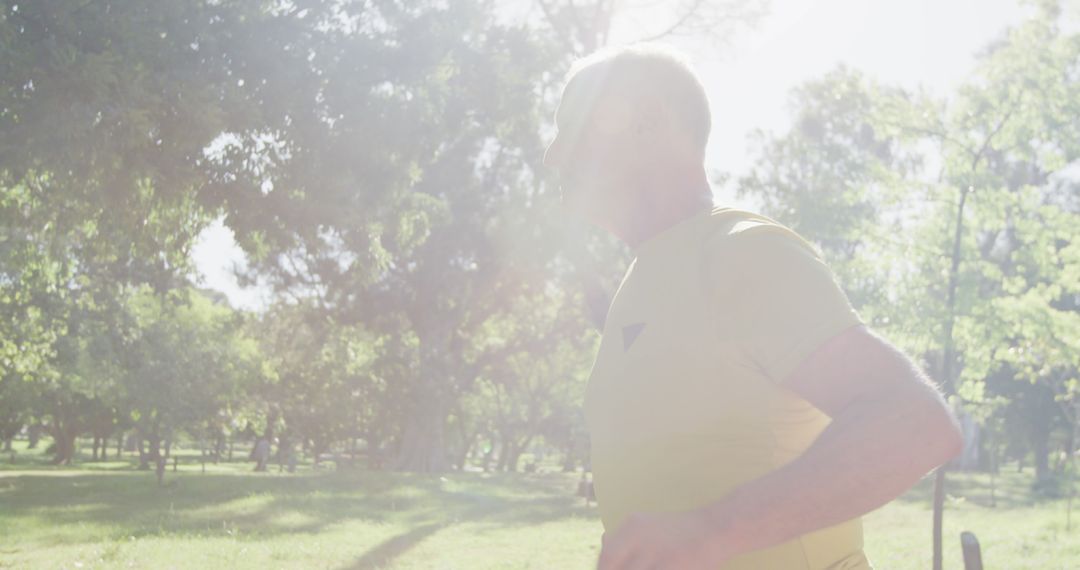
(663, 208)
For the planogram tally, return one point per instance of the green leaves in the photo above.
(953, 224)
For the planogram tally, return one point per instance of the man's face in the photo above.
(596, 149)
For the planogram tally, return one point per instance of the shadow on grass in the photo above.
(383, 554)
(245, 505)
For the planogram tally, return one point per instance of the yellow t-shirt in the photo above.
(686, 399)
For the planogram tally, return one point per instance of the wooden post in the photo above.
(972, 554)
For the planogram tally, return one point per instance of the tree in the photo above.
(380, 189)
(533, 369)
(104, 109)
(977, 264)
(583, 27)
(319, 380)
(183, 362)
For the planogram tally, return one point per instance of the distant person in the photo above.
(741, 415)
(261, 454)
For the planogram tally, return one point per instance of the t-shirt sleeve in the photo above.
(777, 300)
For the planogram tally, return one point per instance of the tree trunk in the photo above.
(34, 435)
(1070, 478)
(144, 458)
(65, 446)
(519, 449)
(1041, 451)
(514, 459)
(993, 474)
(271, 423)
(504, 454)
(64, 433)
(947, 358)
(423, 443)
(284, 444)
(463, 457)
(570, 458)
(317, 448)
(510, 453)
(489, 454)
(219, 447)
(159, 469)
(94, 447)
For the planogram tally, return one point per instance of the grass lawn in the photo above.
(107, 515)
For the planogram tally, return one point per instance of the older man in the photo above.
(741, 415)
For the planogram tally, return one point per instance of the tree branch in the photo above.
(674, 27)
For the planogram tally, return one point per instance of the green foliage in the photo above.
(379, 163)
(184, 361)
(954, 223)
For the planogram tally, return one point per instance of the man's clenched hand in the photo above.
(669, 541)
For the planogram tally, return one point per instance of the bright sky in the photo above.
(928, 43)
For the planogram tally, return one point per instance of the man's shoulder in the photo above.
(732, 232)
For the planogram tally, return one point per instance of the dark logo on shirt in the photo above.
(630, 334)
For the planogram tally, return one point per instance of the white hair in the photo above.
(650, 71)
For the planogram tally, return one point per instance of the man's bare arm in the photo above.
(890, 427)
